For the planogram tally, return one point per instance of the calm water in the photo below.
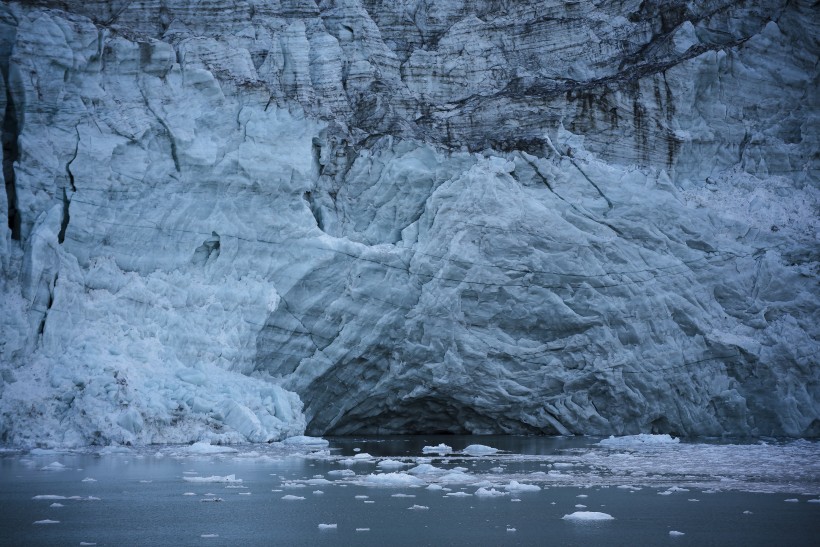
(716, 494)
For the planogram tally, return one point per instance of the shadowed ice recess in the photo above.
(245, 221)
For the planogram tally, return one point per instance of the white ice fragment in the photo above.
(693, 499)
(48, 497)
(205, 447)
(479, 450)
(582, 496)
(435, 487)
(341, 473)
(637, 441)
(46, 521)
(457, 494)
(317, 492)
(327, 526)
(357, 450)
(402, 495)
(580, 506)
(391, 464)
(747, 512)
(56, 504)
(213, 478)
(588, 515)
(211, 499)
(189, 494)
(511, 529)
(456, 477)
(394, 480)
(89, 479)
(361, 497)
(516, 486)
(814, 500)
(515, 499)
(418, 508)
(426, 469)
(291, 497)
(362, 529)
(792, 500)
(302, 440)
(53, 466)
(244, 493)
(369, 501)
(441, 449)
(675, 533)
(209, 535)
(86, 543)
(490, 493)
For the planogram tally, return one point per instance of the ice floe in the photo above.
(205, 447)
(213, 478)
(441, 449)
(291, 497)
(327, 526)
(479, 450)
(46, 521)
(394, 480)
(637, 441)
(588, 515)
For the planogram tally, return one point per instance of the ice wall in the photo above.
(240, 219)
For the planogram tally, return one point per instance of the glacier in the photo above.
(244, 220)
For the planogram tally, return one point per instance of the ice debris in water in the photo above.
(490, 493)
(392, 480)
(53, 466)
(89, 479)
(479, 450)
(291, 497)
(46, 521)
(441, 449)
(205, 447)
(418, 508)
(209, 536)
(637, 441)
(303, 440)
(362, 529)
(516, 486)
(588, 515)
(55, 504)
(213, 478)
(327, 526)
(391, 464)
(675, 533)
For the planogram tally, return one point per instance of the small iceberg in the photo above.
(588, 515)
(479, 450)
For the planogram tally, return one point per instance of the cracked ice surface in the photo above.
(247, 224)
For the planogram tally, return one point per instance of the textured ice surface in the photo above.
(250, 221)
(588, 515)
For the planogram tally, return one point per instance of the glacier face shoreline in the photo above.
(243, 220)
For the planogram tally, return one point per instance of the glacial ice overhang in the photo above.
(242, 219)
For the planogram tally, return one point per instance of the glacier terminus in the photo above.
(247, 220)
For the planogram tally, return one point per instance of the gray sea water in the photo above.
(713, 493)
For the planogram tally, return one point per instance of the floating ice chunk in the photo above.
(189, 494)
(205, 447)
(114, 449)
(515, 499)
(456, 477)
(490, 493)
(418, 508)
(317, 492)
(426, 469)
(357, 450)
(588, 515)
(582, 496)
(457, 494)
(244, 493)
(675, 533)
(369, 501)
(563, 465)
(48, 497)
(391, 464)
(362, 529)
(693, 499)
(315, 482)
(580, 506)
(441, 449)
(146, 482)
(53, 466)
(89, 479)
(394, 480)
(341, 473)
(747, 512)
(497, 469)
(362, 456)
(629, 487)
(303, 440)
(361, 497)
(209, 535)
(815, 500)
(291, 497)
(327, 526)
(516, 486)
(56, 504)
(792, 500)
(401, 495)
(435, 487)
(213, 478)
(86, 543)
(479, 450)
(637, 441)
(46, 521)
(211, 499)
(511, 529)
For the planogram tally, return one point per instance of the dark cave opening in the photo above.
(10, 134)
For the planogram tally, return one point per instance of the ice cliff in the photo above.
(244, 219)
